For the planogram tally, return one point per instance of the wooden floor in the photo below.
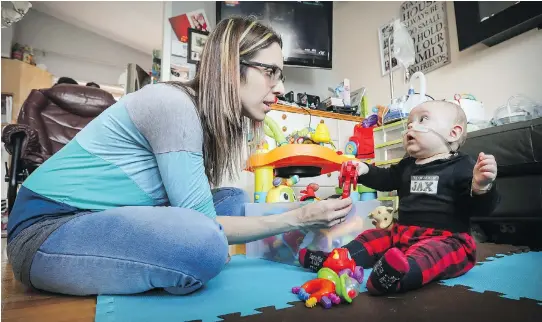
(22, 305)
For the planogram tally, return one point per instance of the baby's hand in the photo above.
(361, 167)
(484, 173)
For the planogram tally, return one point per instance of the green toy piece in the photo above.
(272, 130)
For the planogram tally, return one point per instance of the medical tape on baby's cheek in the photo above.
(417, 128)
(425, 129)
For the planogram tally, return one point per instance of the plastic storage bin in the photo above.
(386, 194)
(392, 151)
(390, 132)
(284, 248)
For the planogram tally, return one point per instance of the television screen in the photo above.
(305, 27)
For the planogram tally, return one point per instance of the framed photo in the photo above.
(196, 42)
(198, 20)
(195, 19)
(384, 32)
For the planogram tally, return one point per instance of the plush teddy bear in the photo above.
(383, 217)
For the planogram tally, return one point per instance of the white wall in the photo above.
(74, 52)
(491, 74)
(7, 38)
(7, 34)
(298, 79)
(311, 80)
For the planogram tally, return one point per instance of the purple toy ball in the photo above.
(295, 289)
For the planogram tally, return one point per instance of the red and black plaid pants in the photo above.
(432, 254)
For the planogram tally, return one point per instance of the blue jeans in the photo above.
(135, 249)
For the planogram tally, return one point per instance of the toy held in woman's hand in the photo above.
(348, 177)
(337, 281)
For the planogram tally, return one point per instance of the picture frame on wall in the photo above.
(427, 24)
(196, 42)
(384, 32)
(195, 19)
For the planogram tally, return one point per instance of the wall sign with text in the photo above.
(427, 23)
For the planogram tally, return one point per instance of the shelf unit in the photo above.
(388, 151)
(319, 113)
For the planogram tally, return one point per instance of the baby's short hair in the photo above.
(460, 119)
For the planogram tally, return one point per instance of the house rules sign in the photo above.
(427, 24)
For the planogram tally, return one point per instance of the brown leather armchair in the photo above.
(48, 120)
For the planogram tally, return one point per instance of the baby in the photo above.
(439, 190)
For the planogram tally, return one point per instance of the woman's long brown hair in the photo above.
(215, 92)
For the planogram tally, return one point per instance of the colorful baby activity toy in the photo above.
(337, 281)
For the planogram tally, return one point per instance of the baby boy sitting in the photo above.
(439, 190)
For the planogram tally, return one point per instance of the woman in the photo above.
(127, 205)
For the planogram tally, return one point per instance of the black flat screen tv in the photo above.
(492, 22)
(305, 27)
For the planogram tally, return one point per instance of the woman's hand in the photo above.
(316, 215)
(324, 214)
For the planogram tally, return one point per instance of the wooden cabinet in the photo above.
(19, 79)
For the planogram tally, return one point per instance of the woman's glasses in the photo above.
(274, 72)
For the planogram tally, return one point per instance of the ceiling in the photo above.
(137, 24)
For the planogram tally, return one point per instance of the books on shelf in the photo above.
(4, 217)
(7, 108)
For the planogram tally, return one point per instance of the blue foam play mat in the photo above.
(244, 285)
(495, 274)
(247, 285)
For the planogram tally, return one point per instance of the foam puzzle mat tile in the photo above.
(246, 285)
(243, 286)
(515, 276)
(433, 303)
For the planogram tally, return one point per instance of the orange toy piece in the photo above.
(329, 287)
(304, 160)
(311, 155)
(340, 259)
(318, 288)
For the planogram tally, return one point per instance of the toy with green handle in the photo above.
(272, 130)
